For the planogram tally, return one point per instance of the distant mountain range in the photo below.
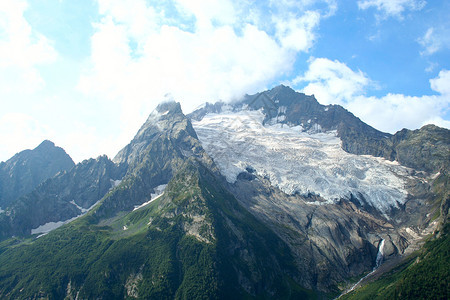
(273, 196)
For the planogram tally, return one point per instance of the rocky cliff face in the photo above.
(424, 149)
(26, 170)
(158, 150)
(65, 196)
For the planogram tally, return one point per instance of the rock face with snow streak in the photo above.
(158, 150)
(61, 198)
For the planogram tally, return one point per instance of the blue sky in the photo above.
(86, 74)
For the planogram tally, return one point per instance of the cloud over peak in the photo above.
(333, 82)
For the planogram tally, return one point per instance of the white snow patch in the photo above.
(315, 128)
(125, 227)
(1, 210)
(281, 118)
(201, 106)
(413, 233)
(83, 210)
(325, 109)
(432, 177)
(159, 191)
(47, 227)
(297, 161)
(226, 108)
(115, 183)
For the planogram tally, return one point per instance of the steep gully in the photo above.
(378, 262)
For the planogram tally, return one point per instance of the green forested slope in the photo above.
(193, 242)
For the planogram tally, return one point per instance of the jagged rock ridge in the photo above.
(61, 198)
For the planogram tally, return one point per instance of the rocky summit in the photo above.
(273, 196)
(24, 171)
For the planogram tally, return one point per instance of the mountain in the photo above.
(425, 149)
(195, 241)
(23, 172)
(156, 153)
(297, 173)
(61, 198)
(267, 197)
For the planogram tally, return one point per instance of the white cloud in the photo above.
(429, 42)
(392, 8)
(22, 50)
(333, 82)
(222, 56)
(221, 11)
(82, 141)
(394, 112)
(441, 84)
(434, 40)
(19, 131)
(297, 33)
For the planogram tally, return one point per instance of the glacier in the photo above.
(301, 162)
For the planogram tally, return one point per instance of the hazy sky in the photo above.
(86, 74)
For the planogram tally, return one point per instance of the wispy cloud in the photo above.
(19, 131)
(392, 8)
(434, 40)
(441, 84)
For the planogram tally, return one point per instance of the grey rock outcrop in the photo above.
(158, 150)
(62, 197)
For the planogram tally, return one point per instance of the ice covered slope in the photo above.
(297, 161)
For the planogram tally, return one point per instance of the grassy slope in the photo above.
(155, 254)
